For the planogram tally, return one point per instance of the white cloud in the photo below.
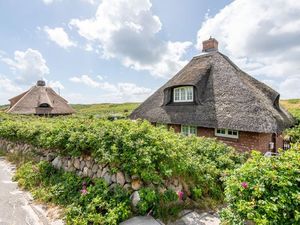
(290, 88)
(56, 84)
(262, 37)
(128, 30)
(59, 36)
(8, 89)
(49, 2)
(28, 65)
(119, 92)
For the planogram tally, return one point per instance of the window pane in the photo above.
(229, 132)
(193, 130)
(189, 93)
(183, 94)
(176, 94)
(235, 133)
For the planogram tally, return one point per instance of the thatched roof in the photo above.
(225, 97)
(40, 100)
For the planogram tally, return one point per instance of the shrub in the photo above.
(265, 190)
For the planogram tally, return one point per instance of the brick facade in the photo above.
(247, 140)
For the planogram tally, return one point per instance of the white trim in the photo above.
(226, 133)
(185, 88)
(189, 133)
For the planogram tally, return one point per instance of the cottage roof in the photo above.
(40, 99)
(225, 97)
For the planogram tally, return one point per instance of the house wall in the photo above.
(247, 140)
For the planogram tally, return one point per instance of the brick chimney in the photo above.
(210, 45)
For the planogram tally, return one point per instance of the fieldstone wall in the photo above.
(85, 166)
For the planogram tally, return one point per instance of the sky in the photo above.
(94, 51)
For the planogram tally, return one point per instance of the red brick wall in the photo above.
(247, 140)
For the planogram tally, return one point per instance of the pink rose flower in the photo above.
(244, 184)
(180, 195)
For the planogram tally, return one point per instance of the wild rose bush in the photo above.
(265, 190)
(137, 148)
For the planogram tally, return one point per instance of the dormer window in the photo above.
(184, 94)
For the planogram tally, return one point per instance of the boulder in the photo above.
(135, 198)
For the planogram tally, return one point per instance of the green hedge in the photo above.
(265, 190)
(138, 148)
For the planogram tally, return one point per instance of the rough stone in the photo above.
(107, 178)
(77, 163)
(85, 171)
(127, 187)
(82, 165)
(104, 171)
(50, 157)
(113, 178)
(175, 182)
(135, 198)
(99, 173)
(89, 173)
(136, 184)
(120, 178)
(88, 163)
(57, 162)
(95, 168)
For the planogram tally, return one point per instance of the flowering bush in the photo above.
(265, 190)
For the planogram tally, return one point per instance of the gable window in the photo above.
(226, 133)
(183, 94)
(44, 105)
(188, 130)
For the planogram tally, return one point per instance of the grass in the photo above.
(105, 109)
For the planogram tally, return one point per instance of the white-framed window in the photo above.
(220, 132)
(188, 130)
(184, 94)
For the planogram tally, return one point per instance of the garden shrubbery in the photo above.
(137, 148)
(265, 190)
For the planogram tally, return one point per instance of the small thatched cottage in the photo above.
(212, 97)
(40, 100)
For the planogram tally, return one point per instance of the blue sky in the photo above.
(123, 50)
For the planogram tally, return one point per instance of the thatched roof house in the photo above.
(40, 100)
(211, 96)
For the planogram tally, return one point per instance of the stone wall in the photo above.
(86, 166)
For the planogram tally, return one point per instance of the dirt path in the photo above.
(16, 206)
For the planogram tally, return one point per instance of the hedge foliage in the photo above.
(265, 190)
(137, 148)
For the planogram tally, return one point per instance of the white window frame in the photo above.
(183, 94)
(189, 130)
(226, 133)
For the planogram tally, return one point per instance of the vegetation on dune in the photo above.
(293, 106)
(105, 109)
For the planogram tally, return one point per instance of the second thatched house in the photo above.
(212, 97)
(40, 100)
